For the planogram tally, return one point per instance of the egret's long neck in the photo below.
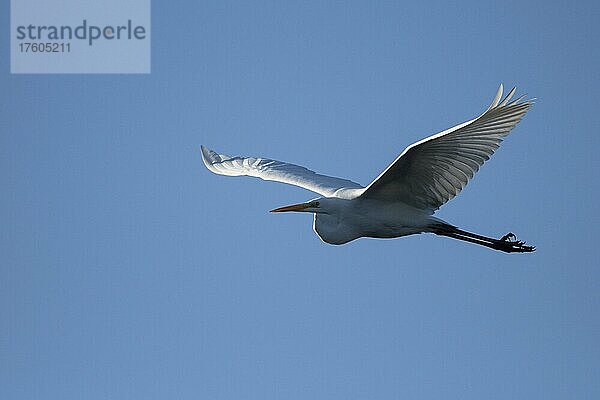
(332, 229)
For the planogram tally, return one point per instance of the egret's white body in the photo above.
(349, 219)
(402, 199)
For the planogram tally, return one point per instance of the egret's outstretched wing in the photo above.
(432, 171)
(271, 170)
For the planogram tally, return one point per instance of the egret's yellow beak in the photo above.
(295, 207)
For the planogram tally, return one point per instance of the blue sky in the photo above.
(129, 271)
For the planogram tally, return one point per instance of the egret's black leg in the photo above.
(507, 243)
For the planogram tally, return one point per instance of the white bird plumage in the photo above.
(402, 199)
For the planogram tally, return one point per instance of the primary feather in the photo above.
(273, 170)
(432, 171)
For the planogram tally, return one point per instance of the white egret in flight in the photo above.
(402, 199)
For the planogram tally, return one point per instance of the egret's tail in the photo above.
(507, 243)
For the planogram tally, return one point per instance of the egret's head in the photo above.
(314, 206)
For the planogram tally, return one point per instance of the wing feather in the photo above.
(432, 171)
(273, 170)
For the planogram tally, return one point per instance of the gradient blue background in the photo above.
(128, 271)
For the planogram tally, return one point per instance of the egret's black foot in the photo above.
(509, 244)
(508, 237)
